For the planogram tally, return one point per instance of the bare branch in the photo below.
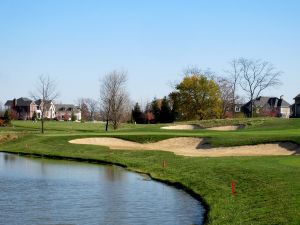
(45, 92)
(114, 97)
(257, 76)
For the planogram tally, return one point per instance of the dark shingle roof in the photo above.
(19, 102)
(283, 103)
(298, 96)
(9, 103)
(66, 107)
(23, 102)
(38, 102)
(47, 103)
(262, 102)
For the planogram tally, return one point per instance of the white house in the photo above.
(49, 111)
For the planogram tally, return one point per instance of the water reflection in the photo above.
(113, 173)
(42, 191)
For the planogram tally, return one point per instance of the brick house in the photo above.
(21, 108)
(295, 108)
(24, 108)
(269, 106)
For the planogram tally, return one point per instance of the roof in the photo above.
(23, 102)
(298, 96)
(263, 101)
(47, 103)
(19, 102)
(284, 103)
(66, 107)
(38, 102)
(9, 103)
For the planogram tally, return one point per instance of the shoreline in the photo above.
(177, 185)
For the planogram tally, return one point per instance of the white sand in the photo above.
(226, 128)
(188, 146)
(183, 127)
(197, 127)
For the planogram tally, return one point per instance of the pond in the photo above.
(44, 191)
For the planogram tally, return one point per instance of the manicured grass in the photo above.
(268, 188)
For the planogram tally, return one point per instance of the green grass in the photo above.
(268, 188)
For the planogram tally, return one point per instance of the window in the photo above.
(237, 109)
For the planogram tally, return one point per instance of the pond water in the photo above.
(52, 192)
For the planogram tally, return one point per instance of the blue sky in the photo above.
(77, 42)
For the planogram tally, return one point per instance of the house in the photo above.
(238, 107)
(295, 108)
(21, 108)
(268, 106)
(65, 111)
(47, 106)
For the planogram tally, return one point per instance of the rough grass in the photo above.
(268, 188)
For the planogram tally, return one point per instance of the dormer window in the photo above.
(237, 109)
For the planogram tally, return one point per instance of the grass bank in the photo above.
(268, 188)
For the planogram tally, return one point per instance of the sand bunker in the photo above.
(197, 127)
(183, 127)
(188, 146)
(226, 128)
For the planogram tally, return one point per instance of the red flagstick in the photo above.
(232, 188)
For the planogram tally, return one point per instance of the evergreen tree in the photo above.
(73, 117)
(137, 114)
(7, 118)
(165, 112)
(155, 110)
(174, 101)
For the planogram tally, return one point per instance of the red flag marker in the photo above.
(232, 188)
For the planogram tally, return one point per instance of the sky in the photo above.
(77, 42)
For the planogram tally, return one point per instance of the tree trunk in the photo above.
(106, 127)
(42, 124)
(233, 101)
(251, 108)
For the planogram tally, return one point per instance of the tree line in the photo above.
(199, 95)
(206, 95)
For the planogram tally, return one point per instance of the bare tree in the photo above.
(92, 106)
(257, 76)
(89, 104)
(226, 90)
(46, 92)
(194, 70)
(234, 78)
(85, 114)
(114, 97)
(1, 109)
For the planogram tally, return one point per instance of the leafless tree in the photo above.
(1, 109)
(257, 76)
(46, 92)
(114, 97)
(194, 70)
(234, 78)
(89, 104)
(226, 90)
(93, 107)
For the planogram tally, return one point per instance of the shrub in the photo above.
(2, 123)
(73, 117)
(7, 118)
(66, 117)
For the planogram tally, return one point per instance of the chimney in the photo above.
(281, 97)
